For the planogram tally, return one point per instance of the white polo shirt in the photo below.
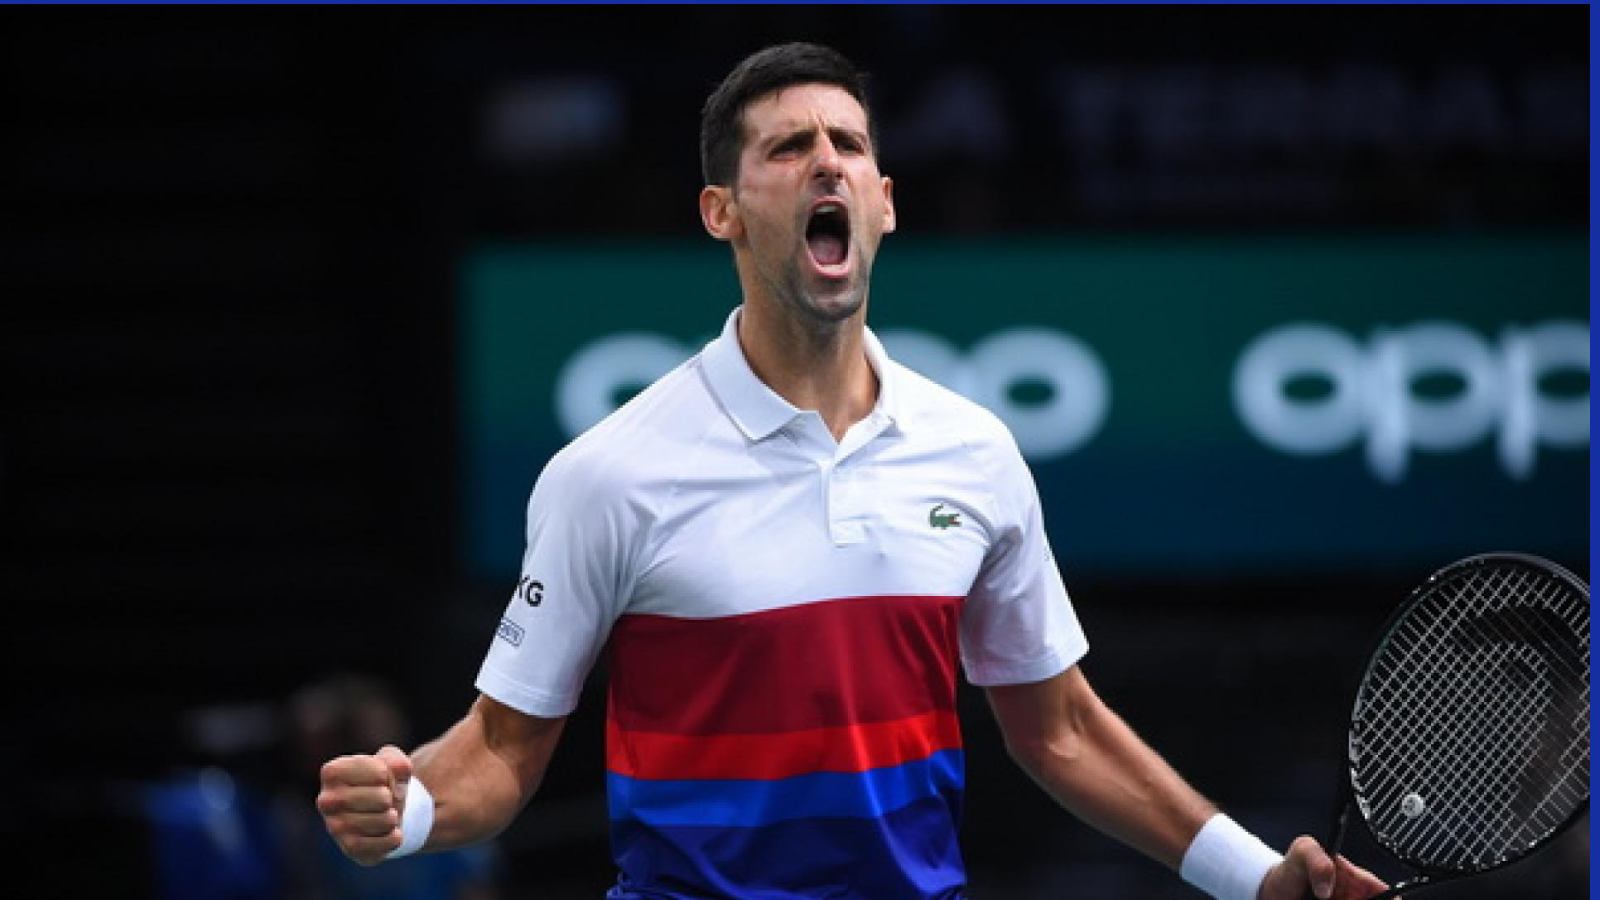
(784, 615)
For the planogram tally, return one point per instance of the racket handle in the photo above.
(1405, 887)
(1390, 894)
(1341, 823)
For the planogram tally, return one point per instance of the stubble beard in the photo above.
(821, 312)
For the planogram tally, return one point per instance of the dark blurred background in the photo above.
(252, 506)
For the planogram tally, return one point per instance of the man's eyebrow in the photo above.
(850, 132)
(784, 133)
(787, 132)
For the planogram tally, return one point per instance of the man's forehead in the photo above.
(803, 106)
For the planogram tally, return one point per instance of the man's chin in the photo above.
(833, 300)
(823, 301)
(835, 307)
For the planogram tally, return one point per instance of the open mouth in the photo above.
(828, 235)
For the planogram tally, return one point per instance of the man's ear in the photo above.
(888, 205)
(719, 212)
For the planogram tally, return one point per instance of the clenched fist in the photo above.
(1308, 866)
(361, 802)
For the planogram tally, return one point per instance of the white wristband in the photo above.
(416, 820)
(1226, 861)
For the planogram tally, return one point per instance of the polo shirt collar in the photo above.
(886, 409)
(756, 408)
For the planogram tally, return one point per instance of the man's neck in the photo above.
(815, 366)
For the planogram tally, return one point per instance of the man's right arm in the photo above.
(480, 773)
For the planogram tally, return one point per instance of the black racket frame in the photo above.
(1429, 875)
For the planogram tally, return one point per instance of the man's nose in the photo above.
(828, 165)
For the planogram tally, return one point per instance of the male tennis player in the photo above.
(788, 545)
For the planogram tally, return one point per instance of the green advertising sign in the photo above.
(1189, 406)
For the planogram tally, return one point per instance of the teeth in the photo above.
(828, 208)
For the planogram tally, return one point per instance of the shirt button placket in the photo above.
(844, 507)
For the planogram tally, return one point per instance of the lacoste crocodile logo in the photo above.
(942, 521)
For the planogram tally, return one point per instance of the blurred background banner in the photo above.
(1191, 406)
(1287, 307)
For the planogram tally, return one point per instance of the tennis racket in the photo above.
(1469, 739)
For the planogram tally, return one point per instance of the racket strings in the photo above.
(1453, 725)
(1457, 738)
(1498, 771)
(1470, 740)
(1514, 752)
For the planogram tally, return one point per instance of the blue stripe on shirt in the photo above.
(909, 854)
(820, 795)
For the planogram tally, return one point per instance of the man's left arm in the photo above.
(1083, 754)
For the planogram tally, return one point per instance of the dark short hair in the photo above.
(760, 74)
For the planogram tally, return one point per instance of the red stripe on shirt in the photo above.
(827, 664)
(851, 748)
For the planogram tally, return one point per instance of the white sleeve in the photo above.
(576, 575)
(1017, 625)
